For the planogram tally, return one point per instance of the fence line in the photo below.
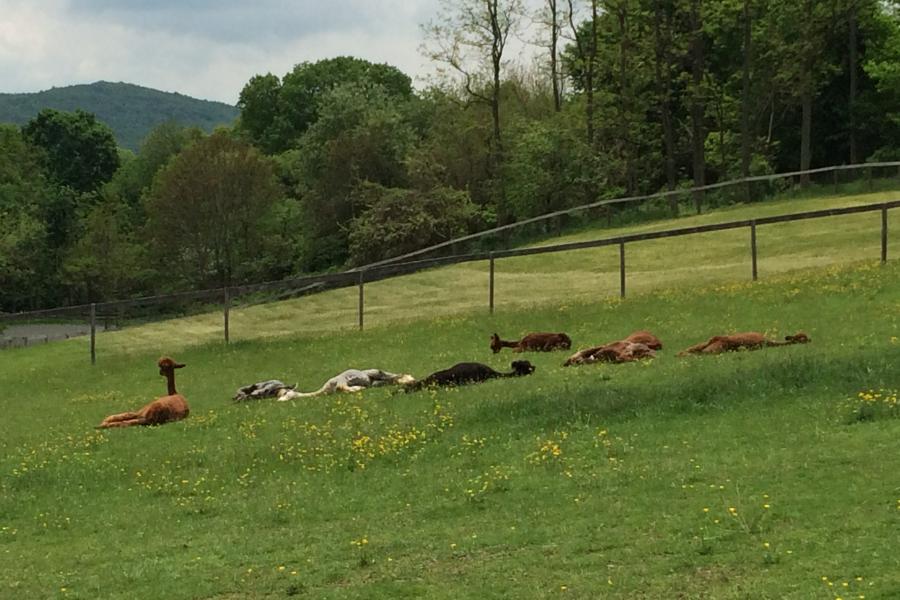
(360, 277)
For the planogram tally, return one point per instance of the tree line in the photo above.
(341, 161)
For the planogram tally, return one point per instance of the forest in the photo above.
(341, 161)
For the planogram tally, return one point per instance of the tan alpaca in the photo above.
(162, 410)
(750, 340)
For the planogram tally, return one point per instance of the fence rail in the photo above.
(225, 297)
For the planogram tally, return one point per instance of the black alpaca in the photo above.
(470, 372)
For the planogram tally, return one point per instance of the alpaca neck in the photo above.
(170, 379)
(505, 344)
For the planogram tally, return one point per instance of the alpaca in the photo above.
(535, 342)
(637, 346)
(162, 410)
(351, 380)
(262, 389)
(742, 341)
(470, 372)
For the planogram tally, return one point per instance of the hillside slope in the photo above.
(130, 110)
(749, 475)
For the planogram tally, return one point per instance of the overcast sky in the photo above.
(203, 48)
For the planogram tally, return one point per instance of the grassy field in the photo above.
(770, 474)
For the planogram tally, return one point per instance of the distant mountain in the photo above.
(131, 111)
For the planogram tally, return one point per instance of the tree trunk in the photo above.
(664, 92)
(805, 134)
(746, 134)
(592, 61)
(554, 41)
(697, 107)
(853, 59)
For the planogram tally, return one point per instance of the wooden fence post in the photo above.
(93, 333)
(491, 284)
(884, 224)
(834, 176)
(869, 178)
(622, 269)
(753, 247)
(361, 300)
(227, 309)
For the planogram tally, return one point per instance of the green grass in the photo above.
(579, 482)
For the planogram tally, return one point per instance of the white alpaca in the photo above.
(351, 380)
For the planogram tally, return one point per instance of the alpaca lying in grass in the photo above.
(637, 346)
(470, 372)
(742, 341)
(351, 380)
(271, 388)
(162, 410)
(533, 342)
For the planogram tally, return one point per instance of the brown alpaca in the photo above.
(533, 342)
(615, 352)
(162, 410)
(646, 338)
(742, 341)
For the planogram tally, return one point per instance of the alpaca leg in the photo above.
(122, 422)
(125, 416)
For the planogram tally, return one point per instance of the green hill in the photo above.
(130, 110)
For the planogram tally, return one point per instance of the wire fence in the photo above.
(42, 326)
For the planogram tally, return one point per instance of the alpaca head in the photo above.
(798, 338)
(495, 343)
(167, 365)
(522, 367)
(406, 379)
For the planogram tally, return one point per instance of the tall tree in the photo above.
(697, 99)
(203, 211)
(470, 36)
(584, 40)
(80, 151)
(275, 114)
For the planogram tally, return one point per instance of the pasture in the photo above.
(769, 474)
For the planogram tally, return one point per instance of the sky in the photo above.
(207, 49)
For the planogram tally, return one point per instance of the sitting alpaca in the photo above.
(534, 342)
(262, 389)
(742, 341)
(470, 372)
(351, 380)
(637, 346)
(162, 410)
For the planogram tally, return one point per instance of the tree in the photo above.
(395, 221)
(25, 266)
(361, 135)
(274, 115)
(105, 262)
(80, 151)
(135, 175)
(585, 61)
(470, 36)
(204, 209)
(545, 169)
